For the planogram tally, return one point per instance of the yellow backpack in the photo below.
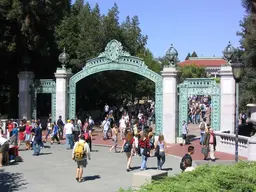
(79, 151)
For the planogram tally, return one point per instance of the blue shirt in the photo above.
(55, 129)
(38, 134)
(15, 131)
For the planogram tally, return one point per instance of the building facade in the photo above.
(211, 64)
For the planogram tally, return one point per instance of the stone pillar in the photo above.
(62, 76)
(26, 79)
(227, 101)
(170, 104)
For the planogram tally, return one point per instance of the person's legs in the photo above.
(34, 148)
(211, 148)
(129, 160)
(67, 141)
(158, 161)
(77, 173)
(1, 159)
(162, 155)
(81, 173)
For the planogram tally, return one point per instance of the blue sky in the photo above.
(204, 26)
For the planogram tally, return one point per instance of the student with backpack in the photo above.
(80, 154)
(202, 127)
(191, 150)
(127, 147)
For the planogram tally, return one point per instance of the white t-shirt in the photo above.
(122, 123)
(126, 118)
(140, 116)
(106, 108)
(189, 169)
(69, 127)
(106, 125)
(2, 140)
(49, 126)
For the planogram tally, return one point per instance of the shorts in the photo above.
(4, 148)
(81, 163)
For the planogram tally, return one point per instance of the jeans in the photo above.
(36, 147)
(143, 159)
(197, 118)
(202, 138)
(160, 160)
(69, 141)
(47, 134)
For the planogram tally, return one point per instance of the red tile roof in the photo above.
(211, 62)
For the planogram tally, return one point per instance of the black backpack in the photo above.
(127, 146)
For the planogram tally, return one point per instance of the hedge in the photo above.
(240, 177)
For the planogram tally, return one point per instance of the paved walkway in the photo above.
(54, 170)
(173, 149)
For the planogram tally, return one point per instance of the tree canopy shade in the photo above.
(84, 33)
(191, 71)
(248, 45)
(224, 178)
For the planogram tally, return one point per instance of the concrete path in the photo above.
(54, 170)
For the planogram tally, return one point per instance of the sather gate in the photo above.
(171, 106)
(199, 86)
(115, 58)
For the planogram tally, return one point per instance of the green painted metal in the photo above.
(115, 58)
(199, 86)
(43, 86)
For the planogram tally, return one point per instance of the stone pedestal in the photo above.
(252, 148)
(26, 79)
(227, 106)
(62, 76)
(170, 104)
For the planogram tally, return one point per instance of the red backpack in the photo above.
(87, 136)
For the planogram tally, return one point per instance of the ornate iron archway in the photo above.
(115, 58)
(199, 86)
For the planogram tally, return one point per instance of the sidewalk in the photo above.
(172, 149)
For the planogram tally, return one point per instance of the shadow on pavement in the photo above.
(90, 178)
(10, 182)
(45, 153)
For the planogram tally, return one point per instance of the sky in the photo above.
(203, 26)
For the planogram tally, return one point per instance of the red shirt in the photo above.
(132, 140)
(144, 144)
(10, 127)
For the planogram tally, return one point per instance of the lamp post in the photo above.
(64, 58)
(231, 54)
(171, 55)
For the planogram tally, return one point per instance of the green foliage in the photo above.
(191, 71)
(223, 178)
(217, 79)
(85, 32)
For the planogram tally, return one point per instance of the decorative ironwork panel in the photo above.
(115, 58)
(199, 86)
(183, 107)
(43, 86)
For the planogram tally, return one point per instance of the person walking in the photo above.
(55, 133)
(60, 125)
(209, 144)
(68, 129)
(202, 127)
(114, 138)
(128, 146)
(80, 154)
(37, 139)
(144, 150)
(160, 150)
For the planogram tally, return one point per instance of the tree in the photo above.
(27, 43)
(85, 32)
(191, 71)
(187, 57)
(194, 54)
(248, 43)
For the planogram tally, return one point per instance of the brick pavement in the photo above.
(172, 149)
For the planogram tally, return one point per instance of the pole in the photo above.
(237, 121)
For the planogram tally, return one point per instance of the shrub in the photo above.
(240, 177)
